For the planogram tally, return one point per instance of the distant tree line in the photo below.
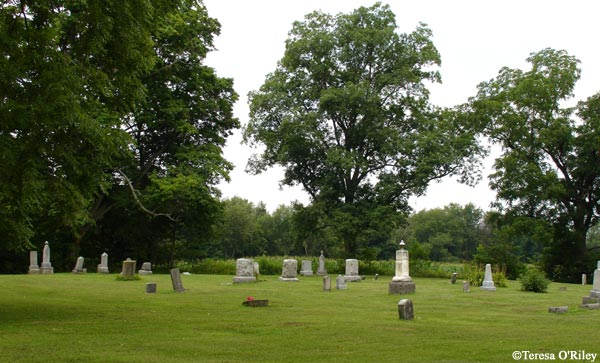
(112, 130)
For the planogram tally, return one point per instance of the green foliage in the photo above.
(135, 277)
(534, 280)
(549, 166)
(346, 114)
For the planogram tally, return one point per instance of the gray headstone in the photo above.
(466, 286)
(128, 270)
(454, 277)
(306, 268)
(321, 271)
(176, 280)
(146, 269)
(405, 309)
(376, 277)
(488, 283)
(583, 279)
(102, 268)
(151, 287)
(340, 283)
(78, 266)
(33, 263)
(352, 270)
(289, 270)
(244, 271)
(596, 285)
(326, 283)
(46, 267)
(558, 309)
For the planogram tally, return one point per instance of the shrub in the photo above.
(534, 280)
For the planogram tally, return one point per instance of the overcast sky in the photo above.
(475, 39)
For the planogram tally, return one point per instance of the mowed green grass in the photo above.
(94, 318)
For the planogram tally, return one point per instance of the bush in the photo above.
(534, 280)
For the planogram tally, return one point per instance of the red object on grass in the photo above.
(249, 298)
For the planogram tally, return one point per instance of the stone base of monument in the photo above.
(353, 278)
(402, 287)
(47, 270)
(102, 269)
(558, 309)
(33, 271)
(243, 279)
(256, 303)
(589, 300)
(595, 294)
(489, 286)
(590, 306)
(292, 279)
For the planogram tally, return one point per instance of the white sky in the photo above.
(475, 39)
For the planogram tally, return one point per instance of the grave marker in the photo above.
(306, 268)
(46, 268)
(244, 271)
(78, 266)
(352, 270)
(488, 283)
(146, 269)
(128, 270)
(402, 283)
(290, 270)
(326, 283)
(102, 268)
(340, 283)
(33, 263)
(176, 280)
(321, 271)
(405, 309)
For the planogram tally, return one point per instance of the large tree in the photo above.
(346, 113)
(69, 71)
(549, 164)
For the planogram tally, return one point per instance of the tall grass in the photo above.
(272, 265)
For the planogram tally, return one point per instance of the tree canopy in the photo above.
(549, 165)
(346, 113)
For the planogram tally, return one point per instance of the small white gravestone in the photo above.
(340, 283)
(289, 270)
(488, 282)
(244, 271)
(596, 285)
(33, 263)
(256, 269)
(102, 268)
(306, 268)
(352, 270)
(326, 283)
(402, 283)
(46, 268)
(321, 271)
(146, 269)
(583, 279)
(78, 266)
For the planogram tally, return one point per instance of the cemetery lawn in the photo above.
(94, 318)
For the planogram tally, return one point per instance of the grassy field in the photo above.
(94, 318)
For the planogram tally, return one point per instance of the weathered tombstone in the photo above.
(376, 277)
(46, 267)
(306, 268)
(102, 268)
(352, 270)
(488, 282)
(321, 271)
(176, 280)
(402, 283)
(256, 269)
(466, 286)
(78, 266)
(146, 269)
(290, 270)
(128, 270)
(405, 309)
(558, 309)
(326, 283)
(33, 263)
(150, 287)
(244, 271)
(454, 277)
(340, 283)
(596, 284)
(583, 279)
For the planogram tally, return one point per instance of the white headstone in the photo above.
(289, 270)
(306, 268)
(596, 286)
(33, 263)
(402, 273)
(326, 283)
(340, 283)
(583, 279)
(321, 271)
(103, 266)
(146, 269)
(244, 271)
(488, 282)
(46, 267)
(78, 266)
(352, 270)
